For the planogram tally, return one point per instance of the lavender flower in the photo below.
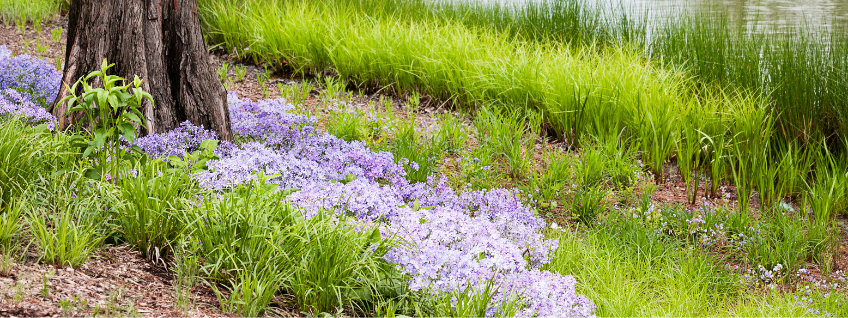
(177, 142)
(14, 104)
(37, 80)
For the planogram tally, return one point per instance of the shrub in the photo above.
(111, 114)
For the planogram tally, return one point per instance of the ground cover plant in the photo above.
(362, 223)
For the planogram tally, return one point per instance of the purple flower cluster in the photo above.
(288, 145)
(14, 104)
(177, 142)
(35, 79)
(268, 120)
(27, 85)
(451, 240)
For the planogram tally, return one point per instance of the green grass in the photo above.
(37, 11)
(66, 228)
(797, 72)
(150, 220)
(798, 68)
(572, 89)
(635, 273)
(24, 152)
(419, 153)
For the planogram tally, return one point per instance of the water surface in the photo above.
(752, 14)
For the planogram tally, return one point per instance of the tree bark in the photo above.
(161, 42)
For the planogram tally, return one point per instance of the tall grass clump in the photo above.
(24, 154)
(509, 136)
(240, 237)
(574, 21)
(572, 89)
(154, 199)
(799, 70)
(68, 216)
(255, 245)
(420, 155)
(10, 221)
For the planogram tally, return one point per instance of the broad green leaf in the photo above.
(209, 144)
(93, 173)
(128, 131)
(60, 172)
(113, 101)
(100, 137)
(133, 117)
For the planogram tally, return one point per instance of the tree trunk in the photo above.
(161, 42)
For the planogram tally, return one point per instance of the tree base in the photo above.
(161, 42)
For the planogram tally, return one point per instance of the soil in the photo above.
(114, 281)
(119, 279)
(31, 42)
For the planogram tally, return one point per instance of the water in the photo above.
(751, 14)
(757, 13)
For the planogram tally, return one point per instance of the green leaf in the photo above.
(87, 152)
(99, 137)
(93, 173)
(78, 142)
(375, 236)
(125, 96)
(59, 172)
(102, 97)
(348, 178)
(75, 109)
(133, 117)
(41, 129)
(209, 144)
(128, 131)
(113, 101)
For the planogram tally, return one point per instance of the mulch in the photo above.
(117, 280)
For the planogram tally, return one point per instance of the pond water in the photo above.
(749, 13)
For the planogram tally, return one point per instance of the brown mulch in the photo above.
(28, 41)
(114, 281)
